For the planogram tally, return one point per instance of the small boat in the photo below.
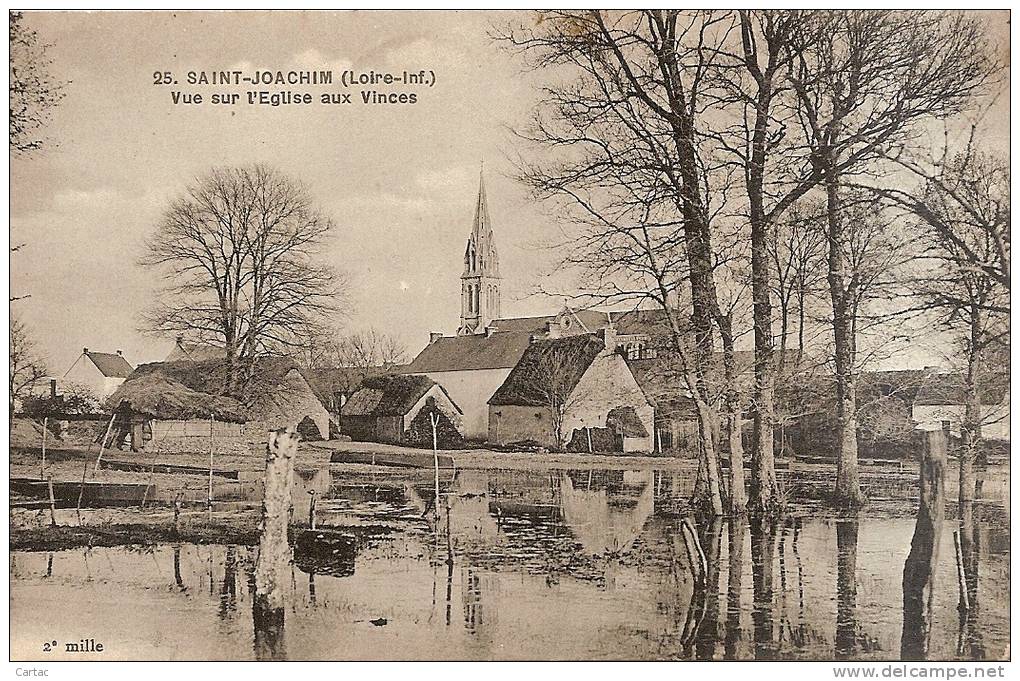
(401, 459)
(173, 468)
(93, 494)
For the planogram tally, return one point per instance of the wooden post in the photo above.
(961, 574)
(311, 510)
(53, 502)
(209, 498)
(45, 427)
(177, 514)
(81, 491)
(919, 568)
(591, 450)
(274, 556)
(102, 445)
(434, 420)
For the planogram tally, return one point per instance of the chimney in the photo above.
(434, 336)
(608, 337)
(489, 330)
(53, 388)
(121, 353)
(180, 340)
(84, 351)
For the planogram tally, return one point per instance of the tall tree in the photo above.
(240, 256)
(628, 124)
(862, 85)
(963, 214)
(33, 90)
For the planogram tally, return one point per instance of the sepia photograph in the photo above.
(511, 335)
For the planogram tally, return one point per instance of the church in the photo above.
(475, 362)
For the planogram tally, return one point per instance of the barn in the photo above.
(393, 408)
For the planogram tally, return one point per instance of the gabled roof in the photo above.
(194, 352)
(110, 364)
(389, 395)
(548, 366)
(457, 353)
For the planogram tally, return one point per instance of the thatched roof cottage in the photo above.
(185, 399)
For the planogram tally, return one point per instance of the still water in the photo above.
(552, 564)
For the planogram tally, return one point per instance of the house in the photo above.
(563, 384)
(941, 401)
(99, 372)
(385, 408)
(177, 405)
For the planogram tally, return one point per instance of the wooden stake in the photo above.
(961, 574)
(311, 510)
(53, 502)
(81, 491)
(102, 445)
(209, 498)
(434, 420)
(45, 427)
(588, 432)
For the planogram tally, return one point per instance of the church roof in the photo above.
(471, 352)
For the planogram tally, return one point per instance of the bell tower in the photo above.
(479, 284)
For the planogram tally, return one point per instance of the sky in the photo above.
(399, 181)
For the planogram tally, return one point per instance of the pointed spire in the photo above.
(482, 226)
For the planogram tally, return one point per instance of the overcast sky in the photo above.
(399, 181)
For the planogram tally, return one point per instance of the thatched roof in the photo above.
(548, 369)
(388, 395)
(178, 391)
(187, 390)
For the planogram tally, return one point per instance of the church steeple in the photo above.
(480, 280)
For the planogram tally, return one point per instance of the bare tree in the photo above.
(962, 207)
(632, 168)
(33, 91)
(341, 362)
(26, 366)
(797, 250)
(240, 252)
(861, 85)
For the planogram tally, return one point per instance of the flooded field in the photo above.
(527, 564)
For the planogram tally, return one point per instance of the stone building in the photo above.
(385, 407)
(561, 385)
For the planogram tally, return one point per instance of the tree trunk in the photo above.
(764, 498)
(919, 568)
(764, 531)
(273, 562)
(712, 503)
(848, 486)
(735, 530)
(846, 589)
(970, 432)
(737, 493)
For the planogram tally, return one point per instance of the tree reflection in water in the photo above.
(763, 550)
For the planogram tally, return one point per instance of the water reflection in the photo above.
(567, 564)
